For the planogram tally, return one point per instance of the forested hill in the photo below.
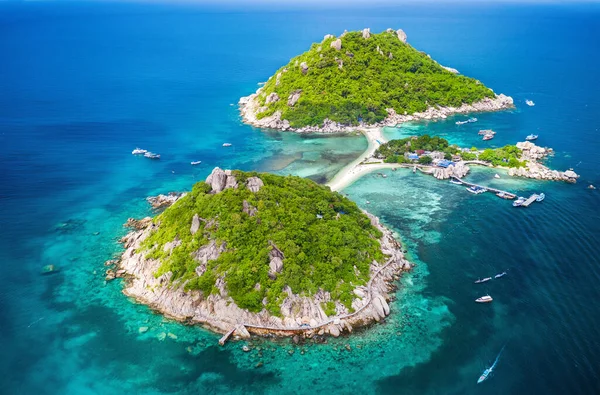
(261, 233)
(357, 76)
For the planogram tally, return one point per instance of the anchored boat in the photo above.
(470, 120)
(486, 373)
(484, 299)
(138, 151)
(488, 137)
(540, 197)
(226, 144)
(530, 103)
(519, 201)
(500, 275)
(482, 280)
(151, 155)
(531, 137)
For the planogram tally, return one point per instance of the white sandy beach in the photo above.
(355, 170)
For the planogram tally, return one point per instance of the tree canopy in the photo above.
(361, 80)
(327, 241)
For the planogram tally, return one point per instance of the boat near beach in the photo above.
(496, 176)
(531, 137)
(151, 155)
(488, 137)
(484, 299)
(530, 103)
(482, 280)
(139, 151)
(540, 197)
(197, 162)
(505, 195)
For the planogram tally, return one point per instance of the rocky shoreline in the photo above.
(250, 107)
(300, 315)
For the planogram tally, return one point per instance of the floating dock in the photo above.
(531, 199)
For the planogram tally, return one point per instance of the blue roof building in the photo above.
(413, 156)
(445, 163)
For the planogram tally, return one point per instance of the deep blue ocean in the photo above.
(83, 84)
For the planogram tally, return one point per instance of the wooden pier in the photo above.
(507, 194)
(226, 336)
(531, 199)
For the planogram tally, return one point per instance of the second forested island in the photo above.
(364, 79)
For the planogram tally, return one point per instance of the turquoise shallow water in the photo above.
(107, 78)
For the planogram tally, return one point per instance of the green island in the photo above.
(425, 149)
(362, 78)
(327, 241)
(268, 251)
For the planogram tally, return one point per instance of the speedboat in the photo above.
(530, 103)
(486, 373)
(540, 197)
(455, 181)
(470, 120)
(151, 155)
(226, 144)
(196, 162)
(500, 275)
(139, 151)
(519, 201)
(482, 280)
(484, 299)
(531, 137)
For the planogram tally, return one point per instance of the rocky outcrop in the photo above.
(401, 35)
(366, 33)
(336, 44)
(163, 201)
(532, 153)
(327, 36)
(304, 68)
(294, 97)
(499, 102)
(195, 224)
(254, 184)
(272, 98)
(208, 252)
(458, 170)
(138, 223)
(249, 209)
(452, 70)
(221, 179)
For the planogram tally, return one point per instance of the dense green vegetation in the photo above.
(332, 253)
(367, 82)
(394, 151)
(508, 155)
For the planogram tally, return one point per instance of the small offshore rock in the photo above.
(172, 335)
(245, 348)
(143, 329)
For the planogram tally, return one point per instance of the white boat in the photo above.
(470, 120)
(530, 103)
(531, 137)
(519, 201)
(226, 144)
(196, 162)
(484, 299)
(484, 132)
(151, 155)
(139, 151)
(500, 275)
(486, 373)
(482, 280)
(496, 176)
(540, 197)
(476, 190)
(455, 181)
(488, 137)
